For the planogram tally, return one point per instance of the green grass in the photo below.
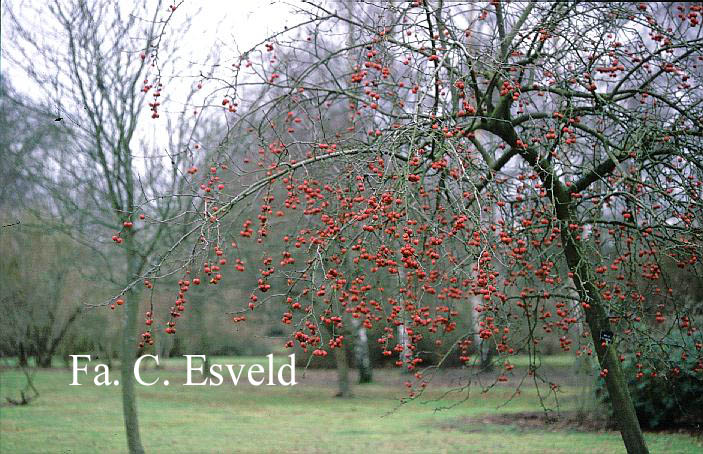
(558, 360)
(305, 418)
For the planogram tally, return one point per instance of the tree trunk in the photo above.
(598, 321)
(487, 354)
(340, 356)
(579, 265)
(44, 360)
(404, 341)
(484, 351)
(105, 353)
(342, 365)
(21, 356)
(197, 303)
(52, 342)
(42, 335)
(129, 351)
(163, 344)
(361, 352)
(402, 331)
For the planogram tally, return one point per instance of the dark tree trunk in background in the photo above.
(21, 356)
(486, 354)
(198, 303)
(44, 360)
(344, 388)
(50, 343)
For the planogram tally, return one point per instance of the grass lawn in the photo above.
(304, 418)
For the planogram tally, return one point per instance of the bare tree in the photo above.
(98, 64)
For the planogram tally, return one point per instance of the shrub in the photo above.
(673, 396)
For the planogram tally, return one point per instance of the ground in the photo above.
(305, 418)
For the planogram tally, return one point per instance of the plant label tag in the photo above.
(606, 336)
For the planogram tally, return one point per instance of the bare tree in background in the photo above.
(98, 65)
(26, 133)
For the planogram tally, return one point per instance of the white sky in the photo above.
(235, 23)
(230, 24)
(227, 26)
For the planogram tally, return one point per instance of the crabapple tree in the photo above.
(536, 164)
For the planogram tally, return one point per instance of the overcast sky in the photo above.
(229, 26)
